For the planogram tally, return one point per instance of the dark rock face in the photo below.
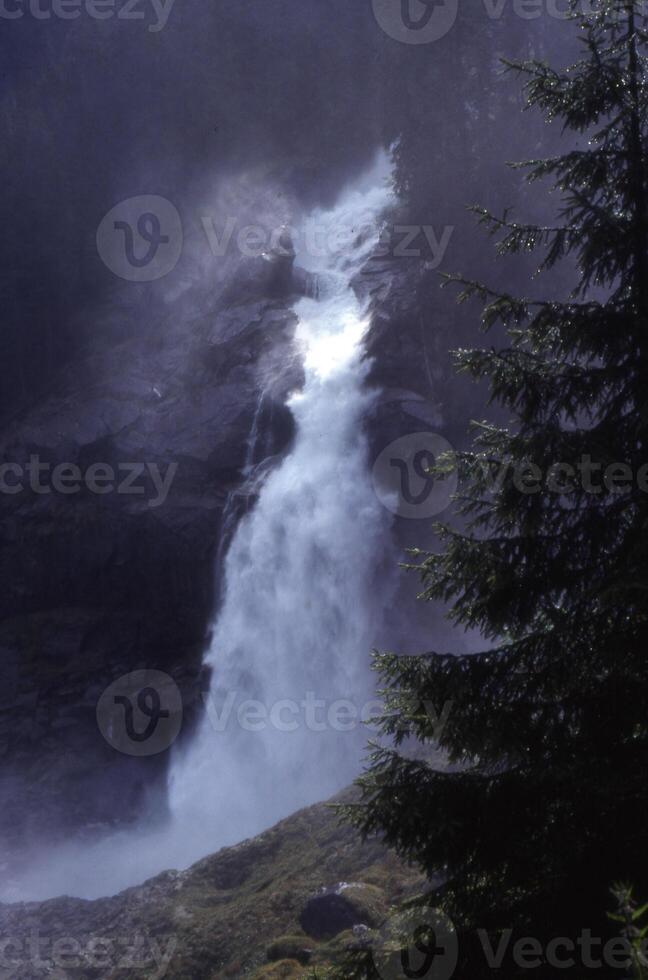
(406, 345)
(339, 909)
(413, 327)
(102, 582)
(327, 915)
(272, 275)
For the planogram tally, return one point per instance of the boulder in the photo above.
(341, 908)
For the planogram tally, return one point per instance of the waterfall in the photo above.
(300, 610)
(290, 650)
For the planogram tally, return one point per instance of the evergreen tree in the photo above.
(544, 800)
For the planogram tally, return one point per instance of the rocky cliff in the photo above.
(114, 491)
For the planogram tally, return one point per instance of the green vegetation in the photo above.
(544, 802)
(234, 914)
(633, 920)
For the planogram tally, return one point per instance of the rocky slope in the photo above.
(285, 904)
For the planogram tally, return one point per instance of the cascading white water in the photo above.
(300, 610)
(290, 651)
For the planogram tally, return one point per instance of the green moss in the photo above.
(298, 948)
(283, 970)
(369, 901)
(333, 952)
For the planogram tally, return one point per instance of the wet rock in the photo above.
(324, 916)
(271, 274)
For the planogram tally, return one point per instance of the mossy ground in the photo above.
(234, 914)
